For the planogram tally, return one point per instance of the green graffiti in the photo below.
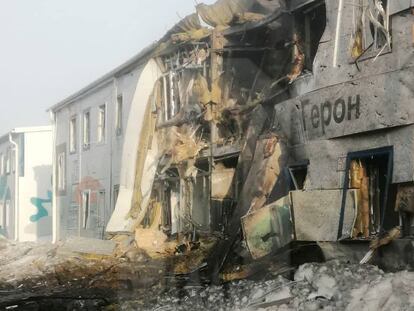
(41, 211)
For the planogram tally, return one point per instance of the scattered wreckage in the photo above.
(278, 130)
(277, 124)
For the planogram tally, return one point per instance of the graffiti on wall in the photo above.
(39, 204)
(87, 183)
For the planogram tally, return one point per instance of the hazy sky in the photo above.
(51, 48)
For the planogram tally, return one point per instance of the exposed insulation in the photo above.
(138, 211)
(360, 181)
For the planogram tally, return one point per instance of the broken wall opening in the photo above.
(224, 193)
(298, 174)
(309, 26)
(370, 173)
(372, 29)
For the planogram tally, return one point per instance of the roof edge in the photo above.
(104, 79)
(31, 129)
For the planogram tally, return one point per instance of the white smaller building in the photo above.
(26, 184)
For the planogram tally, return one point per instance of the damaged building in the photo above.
(26, 184)
(259, 121)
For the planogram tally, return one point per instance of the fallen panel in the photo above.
(268, 228)
(316, 214)
(90, 246)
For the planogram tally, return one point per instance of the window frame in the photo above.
(115, 195)
(86, 130)
(171, 105)
(2, 168)
(86, 212)
(8, 162)
(61, 172)
(119, 114)
(101, 128)
(369, 51)
(73, 129)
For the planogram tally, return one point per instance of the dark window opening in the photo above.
(115, 196)
(370, 172)
(310, 23)
(298, 174)
(170, 95)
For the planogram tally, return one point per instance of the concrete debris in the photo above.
(332, 286)
(90, 246)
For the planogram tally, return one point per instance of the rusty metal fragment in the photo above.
(268, 228)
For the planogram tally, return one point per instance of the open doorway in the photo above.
(370, 173)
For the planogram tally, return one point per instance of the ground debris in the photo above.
(335, 285)
(47, 277)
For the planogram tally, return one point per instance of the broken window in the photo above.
(171, 99)
(72, 135)
(309, 26)
(371, 28)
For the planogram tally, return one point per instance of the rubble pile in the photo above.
(46, 275)
(335, 285)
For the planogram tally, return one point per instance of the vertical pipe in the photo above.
(16, 187)
(111, 183)
(337, 33)
(164, 82)
(55, 224)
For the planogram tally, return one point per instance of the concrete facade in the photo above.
(92, 175)
(342, 107)
(26, 184)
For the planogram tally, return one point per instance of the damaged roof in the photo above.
(222, 13)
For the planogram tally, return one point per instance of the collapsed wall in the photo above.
(233, 146)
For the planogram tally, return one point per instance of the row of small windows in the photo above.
(101, 126)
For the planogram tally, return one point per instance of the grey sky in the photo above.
(51, 48)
